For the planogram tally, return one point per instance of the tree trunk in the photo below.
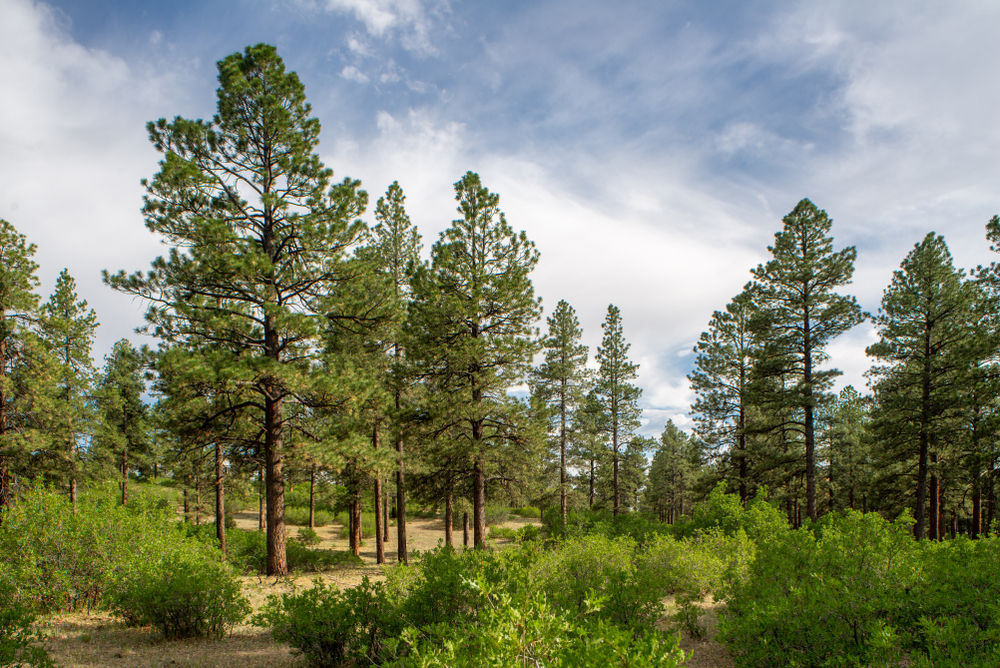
(562, 453)
(400, 498)
(312, 497)
(277, 557)
(379, 538)
(977, 508)
(187, 506)
(614, 457)
(220, 500)
(593, 465)
(197, 501)
(447, 520)
(261, 490)
(465, 529)
(479, 503)
(935, 500)
(385, 513)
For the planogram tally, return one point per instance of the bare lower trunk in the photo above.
(400, 503)
(355, 532)
(932, 506)
(187, 506)
(465, 529)
(479, 504)
(261, 517)
(124, 472)
(274, 456)
(312, 497)
(447, 521)
(197, 501)
(385, 513)
(220, 500)
(379, 538)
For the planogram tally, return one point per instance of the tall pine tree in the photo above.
(618, 396)
(562, 380)
(801, 312)
(471, 335)
(258, 238)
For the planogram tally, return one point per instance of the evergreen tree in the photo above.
(672, 474)
(801, 313)
(259, 239)
(721, 381)
(561, 381)
(616, 393)
(849, 456)
(67, 328)
(470, 332)
(590, 444)
(124, 432)
(393, 250)
(18, 313)
(922, 326)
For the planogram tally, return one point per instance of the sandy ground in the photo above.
(92, 641)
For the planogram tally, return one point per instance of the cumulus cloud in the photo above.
(410, 18)
(352, 73)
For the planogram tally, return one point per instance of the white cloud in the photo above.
(73, 148)
(382, 17)
(352, 73)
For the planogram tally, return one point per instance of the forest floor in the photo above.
(97, 639)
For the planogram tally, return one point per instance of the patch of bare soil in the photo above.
(705, 652)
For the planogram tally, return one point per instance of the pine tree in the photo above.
(922, 326)
(470, 333)
(721, 381)
(394, 250)
(67, 328)
(18, 314)
(801, 312)
(124, 431)
(672, 474)
(562, 380)
(616, 393)
(259, 239)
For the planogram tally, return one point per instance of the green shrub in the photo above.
(495, 514)
(367, 525)
(596, 565)
(330, 627)
(65, 558)
(299, 516)
(502, 533)
(519, 627)
(188, 594)
(19, 640)
(529, 512)
(246, 551)
(823, 598)
(308, 537)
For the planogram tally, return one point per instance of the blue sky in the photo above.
(649, 149)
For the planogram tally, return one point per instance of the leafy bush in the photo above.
(529, 512)
(308, 537)
(495, 514)
(502, 533)
(188, 594)
(18, 639)
(299, 516)
(816, 598)
(521, 628)
(330, 627)
(64, 558)
(605, 567)
(247, 551)
(367, 525)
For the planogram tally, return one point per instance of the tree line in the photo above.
(294, 338)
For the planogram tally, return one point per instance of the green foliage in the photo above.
(331, 627)
(187, 594)
(247, 552)
(608, 568)
(308, 537)
(64, 558)
(528, 512)
(299, 516)
(829, 596)
(367, 524)
(19, 640)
